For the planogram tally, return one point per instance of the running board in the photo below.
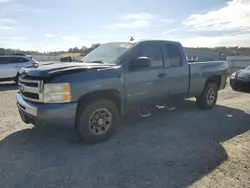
(143, 112)
(168, 106)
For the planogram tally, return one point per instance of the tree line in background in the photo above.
(83, 50)
(226, 51)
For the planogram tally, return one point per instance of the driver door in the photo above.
(147, 85)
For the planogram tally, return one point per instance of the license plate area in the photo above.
(26, 118)
(23, 117)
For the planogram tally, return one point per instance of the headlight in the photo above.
(233, 76)
(56, 93)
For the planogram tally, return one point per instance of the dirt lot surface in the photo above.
(184, 148)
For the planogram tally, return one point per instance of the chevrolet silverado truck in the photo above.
(114, 79)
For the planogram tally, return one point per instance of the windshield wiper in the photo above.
(99, 62)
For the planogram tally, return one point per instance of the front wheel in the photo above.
(208, 98)
(16, 78)
(97, 121)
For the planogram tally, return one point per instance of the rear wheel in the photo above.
(97, 121)
(208, 98)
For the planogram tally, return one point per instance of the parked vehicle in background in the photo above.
(240, 80)
(10, 64)
(66, 59)
(113, 79)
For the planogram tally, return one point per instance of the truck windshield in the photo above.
(107, 53)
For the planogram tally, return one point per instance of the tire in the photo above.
(235, 88)
(98, 121)
(16, 78)
(208, 98)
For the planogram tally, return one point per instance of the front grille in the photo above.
(31, 84)
(31, 90)
(30, 95)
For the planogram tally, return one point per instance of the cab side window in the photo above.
(173, 55)
(153, 52)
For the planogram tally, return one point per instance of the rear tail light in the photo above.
(36, 63)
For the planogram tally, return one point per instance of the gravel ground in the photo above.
(184, 148)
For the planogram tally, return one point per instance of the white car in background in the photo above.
(11, 64)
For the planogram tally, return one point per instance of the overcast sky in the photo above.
(48, 25)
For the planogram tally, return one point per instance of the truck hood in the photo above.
(47, 70)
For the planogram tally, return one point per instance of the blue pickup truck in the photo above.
(114, 79)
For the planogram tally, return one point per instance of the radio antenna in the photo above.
(131, 39)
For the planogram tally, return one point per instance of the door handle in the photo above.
(162, 75)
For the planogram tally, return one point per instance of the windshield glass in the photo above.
(107, 53)
(248, 67)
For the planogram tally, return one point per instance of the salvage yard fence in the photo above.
(237, 62)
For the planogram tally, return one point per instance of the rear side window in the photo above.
(18, 60)
(153, 52)
(173, 55)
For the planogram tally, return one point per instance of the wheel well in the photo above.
(111, 94)
(215, 79)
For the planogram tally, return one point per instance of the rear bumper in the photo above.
(240, 85)
(59, 115)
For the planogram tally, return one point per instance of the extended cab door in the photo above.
(146, 85)
(178, 70)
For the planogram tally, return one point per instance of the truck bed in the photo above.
(200, 71)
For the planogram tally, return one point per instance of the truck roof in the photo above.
(158, 40)
(146, 40)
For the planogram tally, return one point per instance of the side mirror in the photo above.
(140, 62)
